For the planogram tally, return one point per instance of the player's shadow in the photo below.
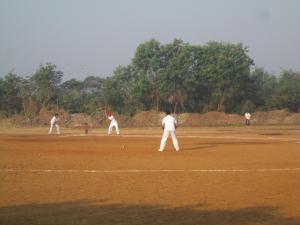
(198, 147)
(104, 213)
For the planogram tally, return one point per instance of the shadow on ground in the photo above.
(98, 213)
(199, 147)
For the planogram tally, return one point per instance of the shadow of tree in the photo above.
(98, 213)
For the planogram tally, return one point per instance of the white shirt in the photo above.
(248, 116)
(54, 120)
(169, 122)
(112, 119)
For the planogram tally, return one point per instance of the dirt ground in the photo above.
(221, 176)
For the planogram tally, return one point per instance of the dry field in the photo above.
(221, 176)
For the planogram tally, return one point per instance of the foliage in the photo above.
(177, 75)
(45, 82)
(10, 99)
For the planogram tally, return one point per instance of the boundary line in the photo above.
(186, 136)
(150, 170)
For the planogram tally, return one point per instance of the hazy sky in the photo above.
(92, 37)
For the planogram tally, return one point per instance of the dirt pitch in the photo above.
(222, 176)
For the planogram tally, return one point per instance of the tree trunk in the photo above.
(175, 107)
(221, 106)
(157, 103)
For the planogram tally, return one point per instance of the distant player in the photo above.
(86, 128)
(247, 117)
(54, 122)
(169, 125)
(113, 123)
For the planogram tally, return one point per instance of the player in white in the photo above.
(54, 121)
(169, 125)
(247, 117)
(113, 123)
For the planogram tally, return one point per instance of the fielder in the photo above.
(247, 117)
(54, 121)
(113, 123)
(169, 125)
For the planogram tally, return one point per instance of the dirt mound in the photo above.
(153, 119)
(212, 119)
(292, 119)
(44, 116)
(78, 119)
(123, 120)
(221, 119)
(275, 117)
(190, 119)
(14, 121)
(147, 118)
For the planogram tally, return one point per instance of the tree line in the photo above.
(216, 76)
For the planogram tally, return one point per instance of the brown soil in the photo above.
(223, 175)
(153, 119)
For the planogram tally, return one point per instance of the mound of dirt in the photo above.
(44, 116)
(123, 120)
(190, 119)
(153, 119)
(147, 118)
(212, 119)
(274, 117)
(78, 119)
(292, 119)
(14, 121)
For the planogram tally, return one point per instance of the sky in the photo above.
(93, 37)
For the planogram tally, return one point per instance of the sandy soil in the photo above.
(223, 175)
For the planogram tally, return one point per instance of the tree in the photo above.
(119, 91)
(260, 90)
(10, 100)
(288, 91)
(30, 107)
(46, 81)
(93, 93)
(71, 97)
(174, 73)
(227, 66)
(148, 62)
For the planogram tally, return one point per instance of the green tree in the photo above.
(46, 81)
(147, 64)
(10, 100)
(93, 93)
(288, 91)
(119, 91)
(260, 91)
(174, 73)
(71, 97)
(227, 66)
(30, 106)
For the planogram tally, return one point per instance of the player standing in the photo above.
(247, 117)
(113, 123)
(54, 121)
(169, 125)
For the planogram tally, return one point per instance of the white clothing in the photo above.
(169, 123)
(53, 122)
(113, 123)
(247, 116)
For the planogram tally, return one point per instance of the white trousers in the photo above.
(57, 128)
(165, 137)
(113, 124)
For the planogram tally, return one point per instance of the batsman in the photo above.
(113, 122)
